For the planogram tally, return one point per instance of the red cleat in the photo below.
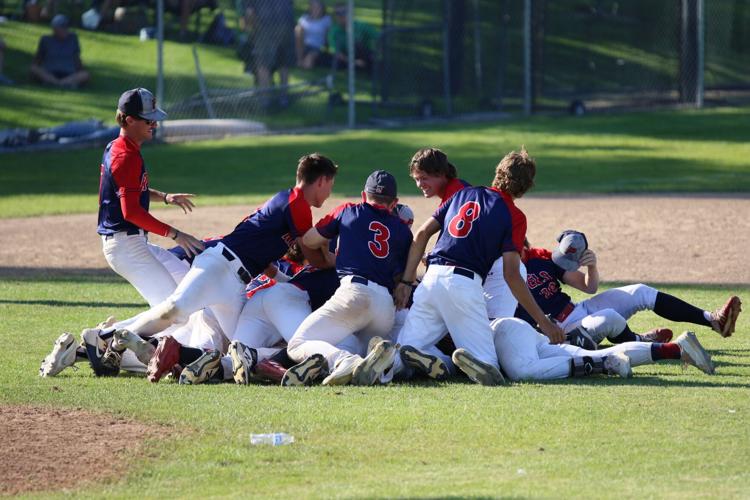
(270, 371)
(724, 318)
(166, 356)
(659, 335)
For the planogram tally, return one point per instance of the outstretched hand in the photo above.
(182, 200)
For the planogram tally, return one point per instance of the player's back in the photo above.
(373, 243)
(477, 227)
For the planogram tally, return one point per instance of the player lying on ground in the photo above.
(605, 315)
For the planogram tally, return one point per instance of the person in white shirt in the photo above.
(310, 34)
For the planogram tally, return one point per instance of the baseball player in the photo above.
(525, 354)
(477, 225)
(605, 315)
(372, 250)
(218, 275)
(124, 199)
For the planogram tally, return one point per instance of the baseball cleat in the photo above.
(166, 356)
(658, 335)
(269, 370)
(202, 369)
(724, 318)
(617, 364)
(244, 359)
(478, 371)
(379, 359)
(430, 365)
(104, 365)
(373, 342)
(344, 370)
(62, 356)
(694, 354)
(125, 339)
(305, 372)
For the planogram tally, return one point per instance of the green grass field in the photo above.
(670, 151)
(666, 433)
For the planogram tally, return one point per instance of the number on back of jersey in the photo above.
(462, 223)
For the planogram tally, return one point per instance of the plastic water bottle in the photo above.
(274, 439)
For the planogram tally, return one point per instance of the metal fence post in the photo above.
(350, 60)
(160, 52)
(527, 57)
(700, 28)
(447, 58)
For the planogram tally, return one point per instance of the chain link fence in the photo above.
(280, 65)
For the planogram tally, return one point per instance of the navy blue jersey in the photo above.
(267, 234)
(373, 243)
(544, 279)
(478, 225)
(122, 170)
(320, 284)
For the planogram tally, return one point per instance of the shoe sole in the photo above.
(376, 362)
(142, 349)
(693, 351)
(476, 370)
(667, 335)
(157, 365)
(305, 372)
(735, 306)
(63, 360)
(240, 373)
(200, 374)
(341, 377)
(430, 365)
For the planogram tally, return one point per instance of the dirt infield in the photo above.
(51, 449)
(655, 239)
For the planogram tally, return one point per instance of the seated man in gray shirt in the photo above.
(58, 57)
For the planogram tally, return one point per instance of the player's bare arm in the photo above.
(587, 282)
(416, 251)
(315, 254)
(511, 263)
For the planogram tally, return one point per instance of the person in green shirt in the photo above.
(365, 40)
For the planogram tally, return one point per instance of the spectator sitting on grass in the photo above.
(310, 35)
(58, 57)
(4, 80)
(365, 40)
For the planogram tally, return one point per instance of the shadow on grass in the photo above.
(67, 303)
(75, 275)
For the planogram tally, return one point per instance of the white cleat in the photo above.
(694, 354)
(378, 361)
(62, 356)
(344, 370)
(125, 339)
(618, 364)
(478, 371)
(244, 359)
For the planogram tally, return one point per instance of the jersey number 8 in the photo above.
(379, 246)
(461, 224)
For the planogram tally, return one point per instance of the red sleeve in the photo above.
(300, 214)
(126, 171)
(133, 212)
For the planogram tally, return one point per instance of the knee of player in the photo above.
(645, 295)
(170, 310)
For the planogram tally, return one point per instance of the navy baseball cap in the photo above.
(570, 248)
(381, 183)
(142, 103)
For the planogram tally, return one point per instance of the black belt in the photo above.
(241, 272)
(129, 232)
(463, 272)
(360, 280)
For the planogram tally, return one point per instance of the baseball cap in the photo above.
(381, 183)
(571, 245)
(404, 213)
(142, 103)
(59, 21)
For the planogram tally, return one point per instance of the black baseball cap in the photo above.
(381, 183)
(141, 103)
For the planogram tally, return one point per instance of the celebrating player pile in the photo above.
(280, 300)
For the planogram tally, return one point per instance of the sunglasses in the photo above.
(150, 123)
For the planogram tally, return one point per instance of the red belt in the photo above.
(563, 315)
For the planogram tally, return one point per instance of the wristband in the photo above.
(176, 234)
(165, 199)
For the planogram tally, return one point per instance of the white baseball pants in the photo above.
(355, 308)
(526, 354)
(500, 300)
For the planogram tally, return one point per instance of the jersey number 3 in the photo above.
(379, 246)
(461, 224)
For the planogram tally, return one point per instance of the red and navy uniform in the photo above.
(544, 279)
(373, 243)
(123, 191)
(478, 225)
(452, 187)
(267, 234)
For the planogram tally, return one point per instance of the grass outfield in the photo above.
(665, 433)
(669, 151)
